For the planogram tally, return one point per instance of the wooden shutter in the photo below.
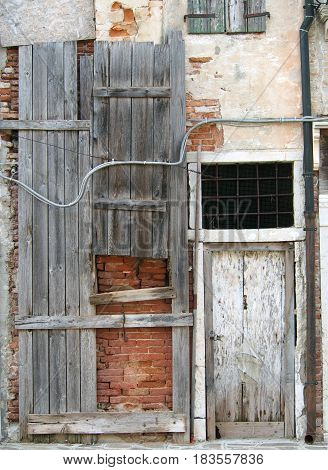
(206, 25)
(258, 23)
(230, 16)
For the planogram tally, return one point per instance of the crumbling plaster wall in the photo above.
(319, 68)
(32, 21)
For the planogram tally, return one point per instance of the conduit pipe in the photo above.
(41, 198)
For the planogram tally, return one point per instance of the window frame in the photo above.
(294, 233)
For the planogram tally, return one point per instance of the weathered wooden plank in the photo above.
(100, 146)
(86, 260)
(209, 352)
(198, 25)
(44, 125)
(144, 320)
(256, 24)
(251, 430)
(25, 307)
(178, 247)
(227, 293)
(142, 149)
(72, 279)
(57, 264)
(235, 21)
(104, 423)
(131, 92)
(133, 295)
(288, 382)
(119, 222)
(40, 232)
(161, 129)
(260, 357)
(130, 205)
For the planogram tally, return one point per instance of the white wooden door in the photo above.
(248, 342)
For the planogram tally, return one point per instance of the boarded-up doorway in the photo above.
(250, 330)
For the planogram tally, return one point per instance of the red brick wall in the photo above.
(9, 110)
(134, 365)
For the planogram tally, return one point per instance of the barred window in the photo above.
(247, 196)
(230, 16)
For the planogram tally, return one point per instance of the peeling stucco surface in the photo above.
(5, 249)
(32, 21)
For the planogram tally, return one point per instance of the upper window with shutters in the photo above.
(226, 16)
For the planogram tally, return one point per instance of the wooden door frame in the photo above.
(288, 374)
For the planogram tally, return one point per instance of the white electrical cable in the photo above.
(85, 180)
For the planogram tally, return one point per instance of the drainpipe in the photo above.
(310, 386)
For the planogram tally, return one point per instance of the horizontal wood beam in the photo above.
(106, 423)
(133, 295)
(142, 320)
(131, 205)
(251, 430)
(132, 92)
(48, 125)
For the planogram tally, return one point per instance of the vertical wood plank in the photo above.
(161, 129)
(227, 293)
(257, 24)
(142, 149)
(57, 265)
(25, 239)
(217, 25)
(235, 21)
(289, 349)
(209, 353)
(261, 353)
(119, 222)
(40, 234)
(100, 145)
(86, 260)
(72, 230)
(178, 244)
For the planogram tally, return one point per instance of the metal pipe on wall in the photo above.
(310, 386)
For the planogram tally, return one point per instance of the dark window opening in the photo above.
(247, 196)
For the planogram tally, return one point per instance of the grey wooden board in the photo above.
(248, 349)
(144, 320)
(40, 232)
(251, 430)
(161, 130)
(88, 375)
(102, 423)
(100, 146)
(257, 24)
(209, 353)
(71, 239)
(130, 205)
(288, 383)
(25, 240)
(133, 295)
(119, 222)
(44, 125)
(131, 92)
(178, 244)
(142, 149)
(56, 247)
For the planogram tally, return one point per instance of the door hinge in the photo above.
(245, 305)
(215, 337)
(256, 15)
(199, 15)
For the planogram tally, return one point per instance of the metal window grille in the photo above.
(247, 196)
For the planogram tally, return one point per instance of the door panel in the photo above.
(261, 355)
(248, 331)
(227, 326)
